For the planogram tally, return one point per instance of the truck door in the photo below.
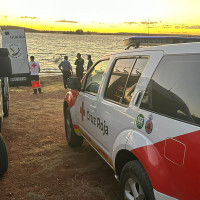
(117, 108)
(87, 100)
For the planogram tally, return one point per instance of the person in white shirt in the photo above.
(35, 70)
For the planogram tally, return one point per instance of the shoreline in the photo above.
(81, 32)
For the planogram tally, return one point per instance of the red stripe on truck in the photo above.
(169, 174)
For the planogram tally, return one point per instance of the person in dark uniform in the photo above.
(90, 63)
(66, 69)
(79, 66)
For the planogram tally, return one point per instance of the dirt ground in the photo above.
(41, 164)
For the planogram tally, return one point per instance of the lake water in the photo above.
(50, 48)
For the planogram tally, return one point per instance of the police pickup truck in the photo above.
(5, 72)
(140, 110)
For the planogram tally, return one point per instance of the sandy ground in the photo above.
(41, 164)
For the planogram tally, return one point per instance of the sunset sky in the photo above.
(141, 16)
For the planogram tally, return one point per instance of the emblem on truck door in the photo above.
(149, 124)
(140, 121)
(82, 111)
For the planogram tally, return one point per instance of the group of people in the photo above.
(64, 66)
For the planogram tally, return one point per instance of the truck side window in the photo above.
(174, 89)
(95, 76)
(124, 78)
(133, 79)
(118, 79)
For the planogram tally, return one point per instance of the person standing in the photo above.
(66, 69)
(90, 62)
(35, 70)
(79, 66)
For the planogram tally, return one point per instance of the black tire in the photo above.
(135, 175)
(6, 67)
(3, 156)
(6, 109)
(5, 96)
(4, 52)
(72, 138)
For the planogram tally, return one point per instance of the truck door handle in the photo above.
(139, 94)
(93, 107)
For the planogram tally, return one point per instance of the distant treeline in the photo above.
(78, 31)
(81, 32)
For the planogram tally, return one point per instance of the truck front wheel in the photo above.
(3, 156)
(72, 139)
(134, 182)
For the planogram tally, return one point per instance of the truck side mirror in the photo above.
(74, 83)
(5, 63)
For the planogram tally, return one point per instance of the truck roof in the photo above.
(167, 44)
(183, 48)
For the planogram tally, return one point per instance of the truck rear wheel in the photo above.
(3, 156)
(72, 138)
(135, 183)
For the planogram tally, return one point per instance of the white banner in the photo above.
(15, 41)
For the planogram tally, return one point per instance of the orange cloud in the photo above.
(131, 23)
(192, 27)
(165, 26)
(65, 21)
(27, 17)
(147, 23)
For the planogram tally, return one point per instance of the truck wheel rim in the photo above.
(133, 190)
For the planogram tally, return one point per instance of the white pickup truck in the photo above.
(5, 72)
(140, 110)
